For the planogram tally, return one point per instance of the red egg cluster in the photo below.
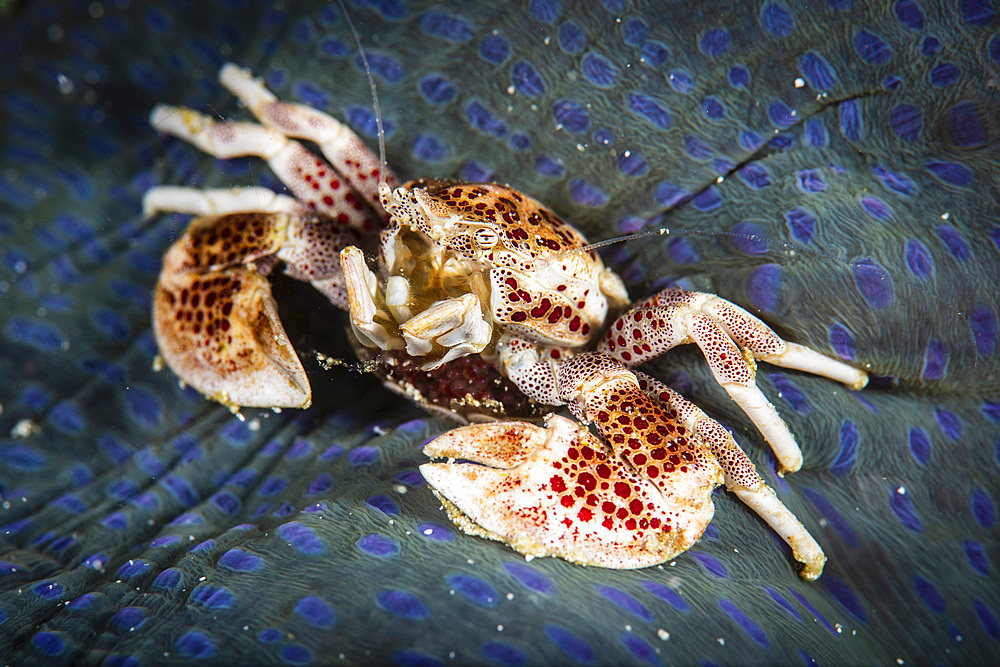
(467, 387)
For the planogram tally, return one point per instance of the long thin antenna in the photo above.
(627, 237)
(371, 83)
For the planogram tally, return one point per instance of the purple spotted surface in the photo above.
(825, 165)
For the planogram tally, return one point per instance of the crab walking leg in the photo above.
(742, 478)
(648, 332)
(345, 150)
(751, 334)
(309, 178)
(174, 199)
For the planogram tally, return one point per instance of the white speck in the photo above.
(720, 179)
(199, 578)
(627, 153)
(580, 147)
(428, 531)
(945, 215)
(254, 424)
(510, 90)
(722, 642)
(509, 596)
(470, 561)
(451, 591)
(628, 628)
(500, 628)
(24, 428)
(663, 634)
(547, 40)
(64, 84)
(901, 490)
(799, 82)
(899, 661)
(399, 488)
(378, 430)
(451, 655)
(840, 629)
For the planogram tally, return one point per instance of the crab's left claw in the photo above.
(558, 491)
(214, 318)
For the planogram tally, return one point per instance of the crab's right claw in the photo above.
(216, 322)
(556, 491)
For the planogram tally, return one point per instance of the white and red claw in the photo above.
(214, 318)
(558, 491)
(638, 498)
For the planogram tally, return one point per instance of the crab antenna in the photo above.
(371, 83)
(627, 237)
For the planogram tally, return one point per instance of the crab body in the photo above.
(474, 279)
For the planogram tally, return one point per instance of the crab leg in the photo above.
(675, 316)
(310, 179)
(339, 144)
(741, 476)
(174, 199)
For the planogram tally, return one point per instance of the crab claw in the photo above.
(559, 491)
(215, 320)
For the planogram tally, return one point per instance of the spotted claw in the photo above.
(214, 318)
(559, 491)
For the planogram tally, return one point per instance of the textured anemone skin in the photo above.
(140, 523)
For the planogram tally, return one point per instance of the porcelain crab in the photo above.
(473, 272)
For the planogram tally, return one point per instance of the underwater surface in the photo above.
(833, 166)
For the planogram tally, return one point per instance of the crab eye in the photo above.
(485, 238)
